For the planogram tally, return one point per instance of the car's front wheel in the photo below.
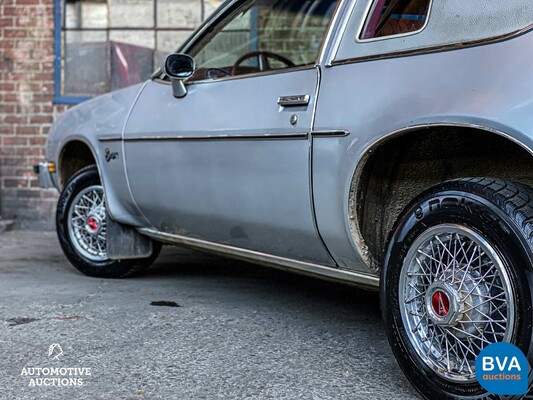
(81, 228)
(457, 278)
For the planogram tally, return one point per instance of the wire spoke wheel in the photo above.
(87, 223)
(455, 299)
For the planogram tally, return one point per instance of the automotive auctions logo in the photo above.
(502, 369)
(55, 376)
(55, 350)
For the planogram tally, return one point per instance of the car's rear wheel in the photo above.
(81, 228)
(456, 278)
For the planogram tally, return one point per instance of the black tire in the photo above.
(105, 268)
(499, 211)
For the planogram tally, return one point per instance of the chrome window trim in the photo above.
(370, 9)
(336, 41)
(286, 264)
(324, 45)
(197, 34)
(435, 49)
(331, 31)
(254, 74)
(244, 76)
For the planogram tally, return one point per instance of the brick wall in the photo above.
(26, 108)
(26, 102)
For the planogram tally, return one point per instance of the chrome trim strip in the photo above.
(216, 18)
(206, 25)
(199, 32)
(370, 8)
(294, 101)
(110, 138)
(288, 136)
(331, 31)
(255, 74)
(435, 49)
(330, 133)
(339, 34)
(243, 76)
(282, 263)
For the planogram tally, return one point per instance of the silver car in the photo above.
(381, 143)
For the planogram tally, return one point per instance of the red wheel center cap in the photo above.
(441, 303)
(93, 224)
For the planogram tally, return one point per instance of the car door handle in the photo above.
(293, 101)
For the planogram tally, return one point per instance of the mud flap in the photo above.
(125, 242)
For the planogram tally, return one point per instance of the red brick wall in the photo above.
(26, 108)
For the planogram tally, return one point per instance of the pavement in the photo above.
(220, 329)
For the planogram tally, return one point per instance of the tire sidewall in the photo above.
(478, 214)
(83, 179)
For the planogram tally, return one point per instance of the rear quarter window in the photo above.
(390, 28)
(395, 17)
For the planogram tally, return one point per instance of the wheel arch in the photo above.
(377, 189)
(75, 154)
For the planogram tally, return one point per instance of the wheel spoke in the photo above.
(88, 208)
(454, 263)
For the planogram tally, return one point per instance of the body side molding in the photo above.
(355, 278)
(266, 136)
(330, 133)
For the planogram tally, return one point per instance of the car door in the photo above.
(230, 162)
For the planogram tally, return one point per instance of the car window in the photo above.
(263, 35)
(395, 17)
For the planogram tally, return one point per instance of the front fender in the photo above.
(90, 122)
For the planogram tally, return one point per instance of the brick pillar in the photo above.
(26, 108)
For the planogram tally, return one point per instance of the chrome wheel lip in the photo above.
(410, 324)
(90, 243)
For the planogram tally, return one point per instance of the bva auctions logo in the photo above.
(502, 369)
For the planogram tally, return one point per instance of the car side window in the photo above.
(263, 35)
(395, 17)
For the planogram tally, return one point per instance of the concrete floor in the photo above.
(240, 331)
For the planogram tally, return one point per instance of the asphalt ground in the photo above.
(222, 330)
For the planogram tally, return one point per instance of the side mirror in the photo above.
(179, 67)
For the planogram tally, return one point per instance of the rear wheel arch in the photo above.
(399, 166)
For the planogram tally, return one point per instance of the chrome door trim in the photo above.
(286, 264)
(110, 138)
(266, 136)
(330, 133)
